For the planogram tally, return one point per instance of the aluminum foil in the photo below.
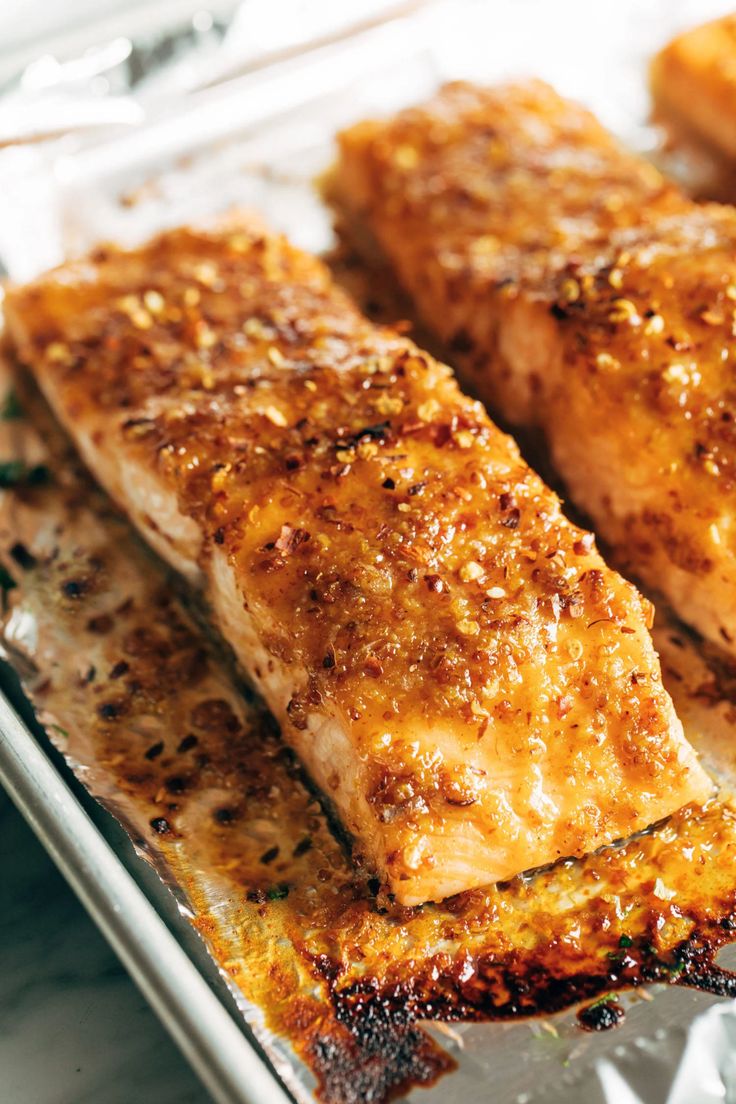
(259, 139)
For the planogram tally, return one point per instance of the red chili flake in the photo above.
(188, 743)
(269, 856)
(219, 537)
(435, 584)
(274, 564)
(155, 750)
(297, 714)
(409, 428)
(564, 705)
(416, 489)
(441, 434)
(373, 667)
(678, 344)
(583, 545)
(511, 521)
(461, 801)
(121, 668)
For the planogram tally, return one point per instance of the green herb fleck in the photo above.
(7, 582)
(626, 941)
(37, 475)
(11, 472)
(11, 409)
(602, 1000)
(15, 472)
(278, 892)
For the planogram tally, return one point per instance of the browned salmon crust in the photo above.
(694, 82)
(580, 292)
(450, 657)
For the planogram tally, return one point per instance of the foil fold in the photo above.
(64, 193)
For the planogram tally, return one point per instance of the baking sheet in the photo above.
(259, 141)
(205, 1032)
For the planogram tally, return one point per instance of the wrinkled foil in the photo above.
(181, 153)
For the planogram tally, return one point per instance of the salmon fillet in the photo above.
(456, 667)
(581, 293)
(693, 82)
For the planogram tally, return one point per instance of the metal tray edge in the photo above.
(229, 1067)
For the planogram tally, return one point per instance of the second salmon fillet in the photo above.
(579, 292)
(694, 82)
(461, 674)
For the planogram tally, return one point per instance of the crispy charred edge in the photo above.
(380, 1047)
(374, 1049)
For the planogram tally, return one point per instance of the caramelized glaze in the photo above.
(457, 668)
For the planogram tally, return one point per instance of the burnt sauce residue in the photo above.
(139, 694)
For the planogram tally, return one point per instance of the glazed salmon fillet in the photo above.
(454, 664)
(581, 293)
(694, 82)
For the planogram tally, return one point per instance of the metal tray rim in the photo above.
(220, 1053)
